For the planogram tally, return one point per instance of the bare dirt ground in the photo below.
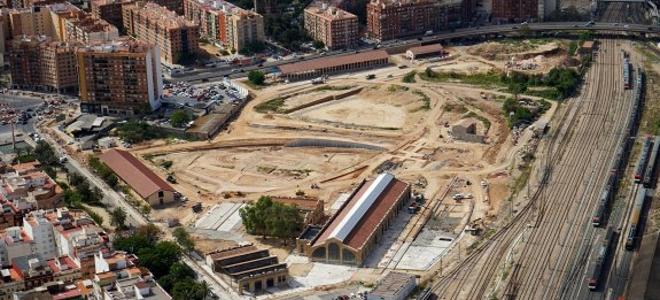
(389, 128)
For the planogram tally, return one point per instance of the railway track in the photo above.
(570, 195)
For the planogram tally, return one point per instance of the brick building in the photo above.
(225, 24)
(335, 27)
(176, 37)
(391, 19)
(122, 77)
(515, 10)
(110, 11)
(39, 63)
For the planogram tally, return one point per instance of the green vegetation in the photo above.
(163, 258)
(318, 44)
(252, 48)
(45, 154)
(393, 88)
(409, 77)
(481, 118)
(256, 77)
(179, 118)
(118, 218)
(79, 191)
(458, 108)
(572, 48)
(559, 82)
(167, 164)
(138, 131)
(331, 88)
(424, 98)
(103, 171)
(273, 105)
(517, 113)
(96, 217)
(183, 238)
(268, 218)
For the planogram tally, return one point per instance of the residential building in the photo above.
(250, 269)
(177, 38)
(28, 183)
(122, 77)
(60, 21)
(353, 232)
(266, 7)
(225, 24)
(40, 63)
(118, 277)
(39, 231)
(147, 184)
(514, 10)
(336, 28)
(110, 11)
(391, 19)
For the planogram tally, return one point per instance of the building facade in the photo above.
(391, 19)
(119, 78)
(177, 38)
(39, 63)
(225, 24)
(336, 28)
(110, 11)
(515, 10)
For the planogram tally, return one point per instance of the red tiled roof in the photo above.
(335, 61)
(141, 179)
(428, 49)
(368, 224)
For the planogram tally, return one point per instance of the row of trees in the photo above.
(268, 218)
(163, 259)
(103, 171)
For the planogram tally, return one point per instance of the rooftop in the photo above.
(161, 15)
(141, 179)
(121, 45)
(335, 61)
(328, 12)
(392, 284)
(360, 216)
(428, 49)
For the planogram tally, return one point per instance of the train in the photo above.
(620, 156)
(634, 221)
(602, 253)
(649, 173)
(626, 71)
(643, 159)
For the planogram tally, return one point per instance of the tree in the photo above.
(318, 44)
(179, 118)
(256, 77)
(188, 289)
(267, 218)
(45, 154)
(52, 173)
(178, 271)
(118, 218)
(159, 258)
(72, 198)
(183, 238)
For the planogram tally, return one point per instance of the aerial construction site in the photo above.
(518, 188)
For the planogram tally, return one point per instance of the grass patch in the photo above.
(481, 118)
(393, 88)
(489, 79)
(424, 98)
(331, 88)
(409, 77)
(273, 105)
(457, 108)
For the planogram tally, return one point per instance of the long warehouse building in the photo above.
(334, 65)
(354, 230)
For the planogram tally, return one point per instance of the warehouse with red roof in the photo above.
(355, 229)
(139, 177)
(334, 65)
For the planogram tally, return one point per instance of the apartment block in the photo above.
(61, 21)
(177, 38)
(28, 183)
(119, 277)
(110, 11)
(39, 63)
(121, 78)
(225, 24)
(335, 27)
(515, 10)
(391, 19)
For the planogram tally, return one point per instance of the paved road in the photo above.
(412, 41)
(113, 199)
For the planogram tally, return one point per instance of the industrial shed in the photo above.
(139, 177)
(354, 230)
(334, 65)
(425, 51)
(394, 286)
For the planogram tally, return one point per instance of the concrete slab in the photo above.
(425, 250)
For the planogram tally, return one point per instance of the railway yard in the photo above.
(510, 213)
